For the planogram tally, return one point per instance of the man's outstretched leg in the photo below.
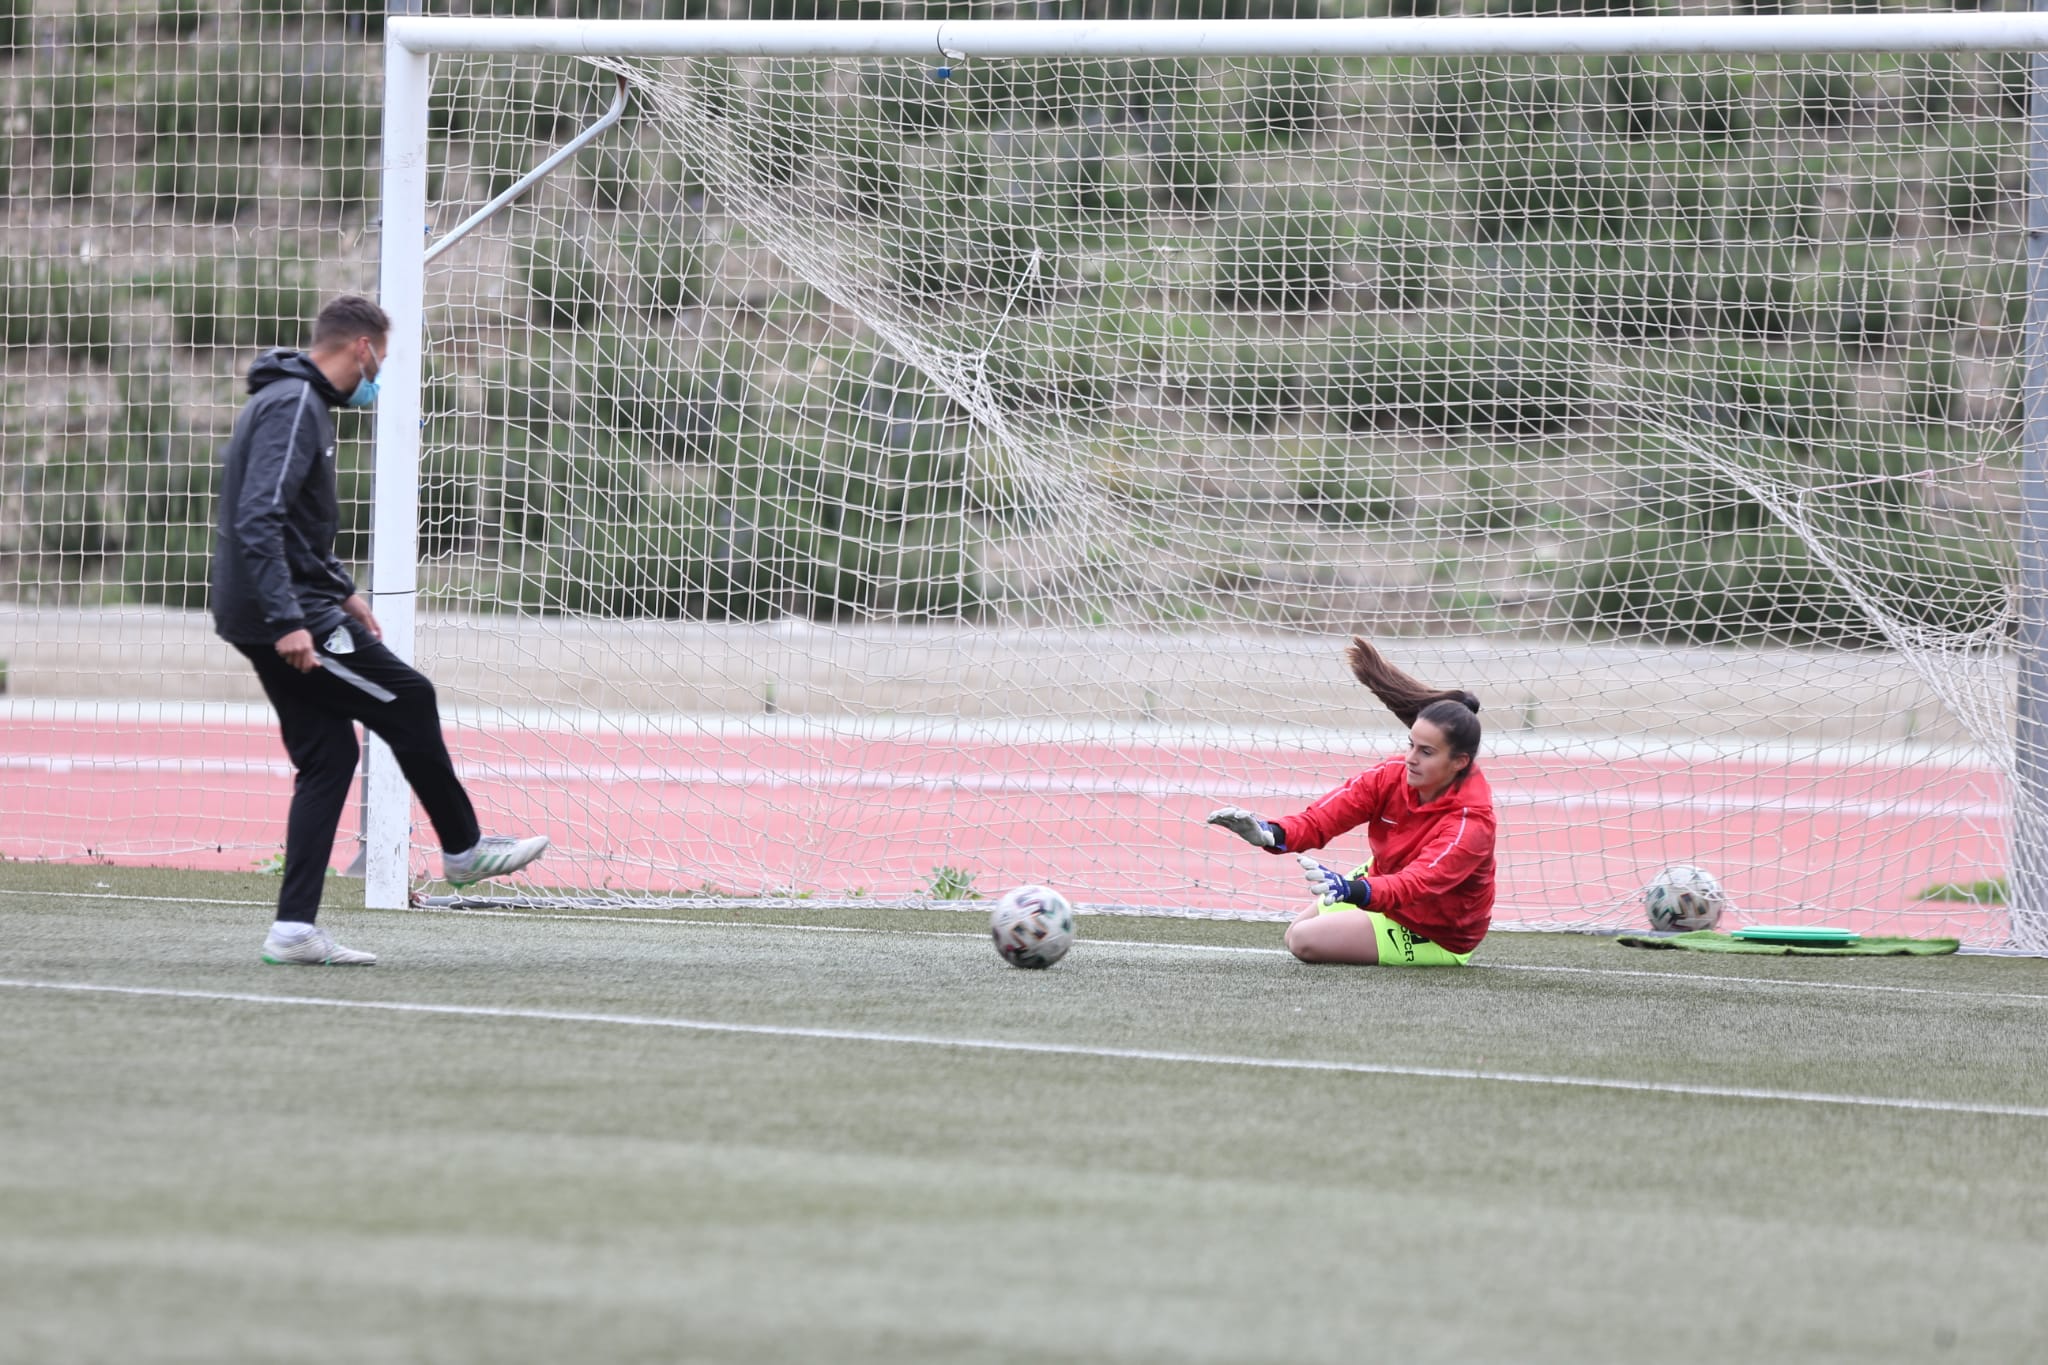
(410, 723)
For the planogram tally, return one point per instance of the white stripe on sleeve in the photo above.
(1454, 842)
(290, 443)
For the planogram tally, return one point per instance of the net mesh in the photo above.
(180, 184)
(902, 480)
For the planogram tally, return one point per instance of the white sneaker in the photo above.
(316, 949)
(494, 856)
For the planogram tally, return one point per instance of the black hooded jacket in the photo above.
(274, 569)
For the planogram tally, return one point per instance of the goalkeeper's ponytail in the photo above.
(1453, 711)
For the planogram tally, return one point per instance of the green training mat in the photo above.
(1709, 941)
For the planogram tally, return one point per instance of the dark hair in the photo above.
(1453, 711)
(349, 317)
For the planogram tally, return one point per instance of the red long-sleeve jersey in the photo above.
(1432, 866)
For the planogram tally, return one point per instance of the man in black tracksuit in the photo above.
(282, 598)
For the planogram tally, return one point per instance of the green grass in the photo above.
(250, 1179)
(953, 884)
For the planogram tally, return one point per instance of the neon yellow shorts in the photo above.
(1402, 947)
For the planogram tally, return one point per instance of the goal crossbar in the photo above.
(1721, 35)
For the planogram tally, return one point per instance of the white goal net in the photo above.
(867, 474)
(902, 478)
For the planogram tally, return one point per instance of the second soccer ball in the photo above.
(1033, 926)
(1684, 898)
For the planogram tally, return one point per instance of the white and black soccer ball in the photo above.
(1033, 926)
(1684, 898)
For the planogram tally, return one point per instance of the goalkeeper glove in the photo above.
(1332, 887)
(1250, 828)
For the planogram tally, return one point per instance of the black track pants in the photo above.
(317, 712)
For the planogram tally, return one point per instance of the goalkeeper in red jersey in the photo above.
(1427, 893)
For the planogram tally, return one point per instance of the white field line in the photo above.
(741, 778)
(1146, 945)
(1205, 1059)
(1372, 741)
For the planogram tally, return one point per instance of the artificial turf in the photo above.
(871, 1176)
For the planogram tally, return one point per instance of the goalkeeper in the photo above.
(283, 599)
(1427, 893)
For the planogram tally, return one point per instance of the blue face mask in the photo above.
(366, 389)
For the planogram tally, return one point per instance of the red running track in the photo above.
(1110, 823)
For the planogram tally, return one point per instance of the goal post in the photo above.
(394, 507)
(1067, 392)
(2028, 834)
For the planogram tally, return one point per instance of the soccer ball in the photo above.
(1684, 898)
(1033, 926)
